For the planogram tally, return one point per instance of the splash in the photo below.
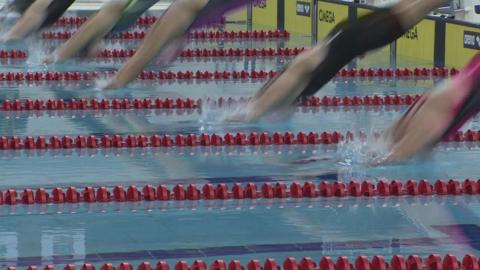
(235, 113)
(225, 115)
(363, 151)
(7, 19)
(100, 84)
(357, 156)
(36, 53)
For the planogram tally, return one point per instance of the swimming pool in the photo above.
(136, 229)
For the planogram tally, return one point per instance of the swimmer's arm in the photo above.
(287, 87)
(30, 21)
(95, 28)
(171, 26)
(420, 131)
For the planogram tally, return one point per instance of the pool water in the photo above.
(209, 230)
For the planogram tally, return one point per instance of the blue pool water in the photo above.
(243, 229)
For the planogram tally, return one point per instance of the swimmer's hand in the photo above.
(240, 115)
(235, 118)
(7, 38)
(411, 142)
(50, 59)
(390, 158)
(312, 160)
(112, 84)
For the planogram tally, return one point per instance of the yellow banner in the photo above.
(264, 14)
(329, 15)
(298, 16)
(363, 11)
(237, 15)
(461, 43)
(418, 43)
(414, 47)
(380, 57)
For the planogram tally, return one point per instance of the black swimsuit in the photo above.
(19, 6)
(351, 39)
(55, 10)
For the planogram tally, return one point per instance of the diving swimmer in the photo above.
(436, 115)
(311, 70)
(308, 72)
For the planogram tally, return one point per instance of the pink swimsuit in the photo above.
(467, 94)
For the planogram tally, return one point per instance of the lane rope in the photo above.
(378, 262)
(143, 21)
(11, 114)
(204, 139)
(196, 35)
(184, 75)
(215, 52)
(190, 103)
(239, 191)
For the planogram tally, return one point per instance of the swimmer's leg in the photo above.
(284, 89)
(11, 11)
(344, 43)
(40, 14)
(55, 10)
(173, 24)
(97, 26)
(443, 112)
(179, 18)
(30, 21)
(18, 6)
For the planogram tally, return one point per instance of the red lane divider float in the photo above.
(178, 111)
(95, 104)
(193, 140)
(13, 54)
(72, 21)
(144, 75)
(198, 35)
(398, 262)
(203, 151)
(374, 100)
(141, 21)
(203, 75)
(399, 73)
(188, 103)
(189, 53)
(221, 191)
